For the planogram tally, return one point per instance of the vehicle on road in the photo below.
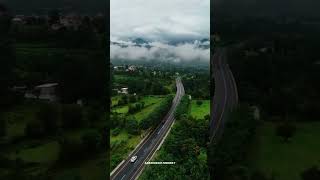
(133, 159)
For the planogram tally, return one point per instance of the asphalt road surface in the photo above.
(128, 170)
(225, 94)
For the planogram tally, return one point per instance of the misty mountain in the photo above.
(136, 49)
(141, 42)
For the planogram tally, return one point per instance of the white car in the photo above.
(133, 159)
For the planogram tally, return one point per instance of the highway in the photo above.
(225, 94)
(130, 171)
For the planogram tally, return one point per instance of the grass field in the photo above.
(287, 160)
(121, 109)
(121, 146)
(114, 100)
(18, 117)
(199, 111)
(92, 169)
(124, 143)
(44, 153)
(144, 113)
(124, 79)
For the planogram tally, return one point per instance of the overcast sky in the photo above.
(160, 20)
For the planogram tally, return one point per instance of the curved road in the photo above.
(130, 171)
(225, 94)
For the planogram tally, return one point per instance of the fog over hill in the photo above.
(166, 30)
(139, 49)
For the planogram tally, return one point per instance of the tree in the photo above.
(312, 173)
(116, 131)
(131, 109)
(286, 131)
(132, 125)
(132, 99)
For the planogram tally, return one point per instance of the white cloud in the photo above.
(160, 20)
(161, 51)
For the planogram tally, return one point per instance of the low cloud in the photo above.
(196, 51)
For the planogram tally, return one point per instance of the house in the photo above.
(132, 68)
(119, 68)
(44, 92)
(47, 91)
(17, 21)
(124, 90)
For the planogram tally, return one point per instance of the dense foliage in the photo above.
(186, 146)
(228, 153)
(183, 107)
(156, 116)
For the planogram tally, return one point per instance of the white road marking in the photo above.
(123, 176)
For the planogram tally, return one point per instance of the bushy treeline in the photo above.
(52, 119)
(144, 86)
(156, 116)
(152, 120)
(280, 73)
(183, 107)
(198, 84)
(88, 146)
(185, 145)
(228, 153)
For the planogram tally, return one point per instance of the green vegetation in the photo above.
(183, 107)
(121, 145)
(277, 73)
(227, 155)
(129, 129)
(185, 145)
(38, 138)
(197, 83)
(286, 161)
(133, 115)
(199, 110)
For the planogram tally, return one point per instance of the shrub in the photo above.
(135, 108)
(182, 107)
(132, 99)
(116, 132)
(199, 103)
(132, 125)
(156, 116)
(312, 173)
(286, 131)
